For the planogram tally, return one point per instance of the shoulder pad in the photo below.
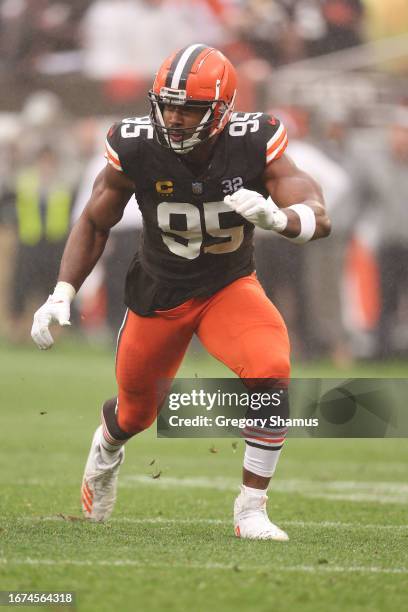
(123, 137)
(265, 132)
(112, 147)
(276, 137)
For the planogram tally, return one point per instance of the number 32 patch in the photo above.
(232, 185)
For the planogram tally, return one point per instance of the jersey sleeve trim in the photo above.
(277, 144)
(112, 157)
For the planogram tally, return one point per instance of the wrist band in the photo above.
(307, 223)
(64, 290)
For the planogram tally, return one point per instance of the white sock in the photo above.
(109, 452)
(252, 491)
(261, 462)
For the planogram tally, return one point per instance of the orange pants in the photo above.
(238, 325)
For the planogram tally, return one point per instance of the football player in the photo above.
(204, 176)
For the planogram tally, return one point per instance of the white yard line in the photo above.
(290, 485)
(350, 490)
(159, 520)
(203, 566)
(356, 491)
(387, 467)
(340, 525)
(360, 497)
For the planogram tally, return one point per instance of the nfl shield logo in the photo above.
(197, 188)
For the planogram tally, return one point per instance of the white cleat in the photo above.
(99, 484)
(251, 520)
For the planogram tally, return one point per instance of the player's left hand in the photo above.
(56, 309)
(254, 208)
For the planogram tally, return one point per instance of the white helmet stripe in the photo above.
(180, 66)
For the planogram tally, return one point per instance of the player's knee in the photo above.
(135, 423)
(135, 416)
(270, 367)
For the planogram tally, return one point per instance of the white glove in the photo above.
(56, 308)
(254, 208)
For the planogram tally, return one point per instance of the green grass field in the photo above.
(170, 544)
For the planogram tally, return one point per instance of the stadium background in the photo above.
(335, 72)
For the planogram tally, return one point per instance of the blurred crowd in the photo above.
(107, 38)
(343, 298)
(110, 49)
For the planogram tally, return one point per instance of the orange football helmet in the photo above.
(197, 76)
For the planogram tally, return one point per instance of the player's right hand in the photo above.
(57, 308)
(257, 210)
